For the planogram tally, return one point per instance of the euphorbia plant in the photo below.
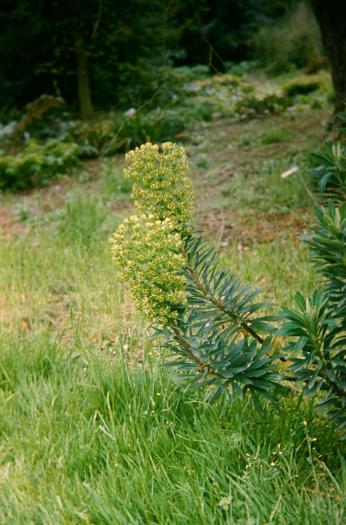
(209, 321)
(317, 327)
(213, 325)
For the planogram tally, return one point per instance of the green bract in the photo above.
(161, 186)
(147, 254)
(147, 248)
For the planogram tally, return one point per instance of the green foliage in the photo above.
(342, 122)
(35, 111)
(309, 89)
(300, 88)
(328, 254)
(209, 360)
(123, 132)
(219, 299)
(200, 99)
(92, 136)
(222, 95)
(329, 171)
(35, 164)
(217, 337)
(318, 324)
(251, 105)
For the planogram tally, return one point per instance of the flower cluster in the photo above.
(161, 187)
(147, 254)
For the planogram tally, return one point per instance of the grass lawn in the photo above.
(93, 430)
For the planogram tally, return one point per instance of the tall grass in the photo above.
(92, 440)
(94, 430)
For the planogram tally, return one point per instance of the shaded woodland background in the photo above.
(105, 54)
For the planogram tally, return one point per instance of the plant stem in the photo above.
(241, 323)
(203, 365)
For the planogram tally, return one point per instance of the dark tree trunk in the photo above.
(331, 17)
(84, 92)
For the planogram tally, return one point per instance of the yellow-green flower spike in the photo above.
(147, 254)
(161, 186)
(147, 247)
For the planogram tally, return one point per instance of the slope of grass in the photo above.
(93, 430)
(92, 440)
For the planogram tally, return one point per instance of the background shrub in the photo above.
(293, 41)
(36, 164)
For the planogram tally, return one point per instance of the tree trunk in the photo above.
(84, 92)
(331, 17)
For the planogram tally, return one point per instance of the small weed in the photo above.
(202, 162)
(113, 182)
(244, 140)
(24, 213)
(82, 219)
(274, 136)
